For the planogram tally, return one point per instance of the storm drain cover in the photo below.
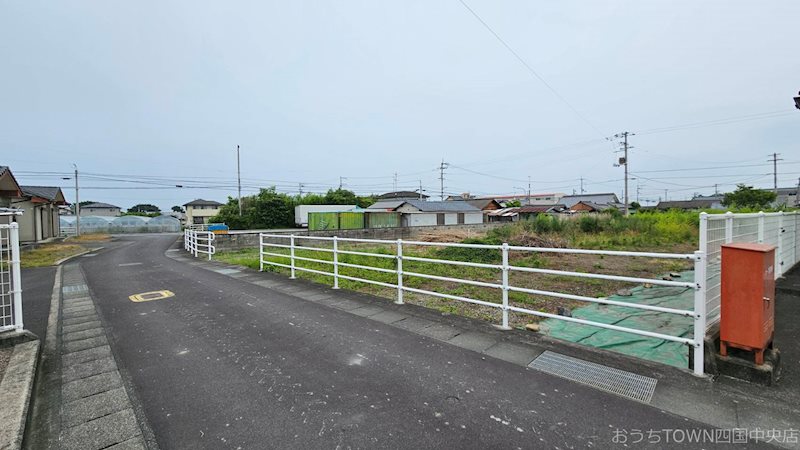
(74, 288)
(609, 379)
(150, 296)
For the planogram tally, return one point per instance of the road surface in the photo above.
(229, 364)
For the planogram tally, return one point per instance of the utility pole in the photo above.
(666, 195)
(300, 186)
(395, 182)
(529, 189)
(582, 189)
(624, 162)
(442, 166)
(239, 178)
(77, 204)
(716, 190)
(774, 161)
(341, 182)
(420, 189)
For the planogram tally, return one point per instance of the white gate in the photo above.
(10, 278)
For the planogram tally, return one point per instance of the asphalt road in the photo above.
(228, 364)
(37, 289)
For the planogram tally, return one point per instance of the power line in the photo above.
(531, 69)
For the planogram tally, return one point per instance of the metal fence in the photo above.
(780, 229)
(10, 278)
(267, 242)
(196, 242)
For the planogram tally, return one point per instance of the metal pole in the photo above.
(260, 253)
(761, 226)
(626, 173)
(728, 227)
(399, 300)
(779, 250)
(16, 276)
(239, 177)
(291, 249)
(77, 205)
(335, 262)
(699, 313)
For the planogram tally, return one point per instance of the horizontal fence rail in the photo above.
(779, 229)
(330, 245)
(196, 242)
(10, 279)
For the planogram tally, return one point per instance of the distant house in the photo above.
(535, 199)
(402, 195)
(530, 211)
(9, 191)
(689, 204)
(584, 206)
(415, 213)
(609, 199)
(788, 197)
(503, 214)
(200, 211)
(40, 218)
(100, 209)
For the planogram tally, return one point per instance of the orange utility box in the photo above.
(747, 311)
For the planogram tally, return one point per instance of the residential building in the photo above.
(528, 212)
(9, 191)
(609, 199)
(415, 213)
(535, 199)
(697, 203)
(402, 195)
(585, 206)
(503, 214)
(40, 219)
(200, 211)
(788, 197)
(100, 209)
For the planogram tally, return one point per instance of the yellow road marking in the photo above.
(150, 296)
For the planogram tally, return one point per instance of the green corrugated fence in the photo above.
(350, 220)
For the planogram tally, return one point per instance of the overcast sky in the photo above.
(160, 93)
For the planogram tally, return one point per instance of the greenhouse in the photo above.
(121, 224)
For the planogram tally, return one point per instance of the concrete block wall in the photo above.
(238, 241)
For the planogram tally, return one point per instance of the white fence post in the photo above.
(335, 262)
(761, 216)
(260, 252)
(399, 300)
(291, 250)
(210, 244)
(16, 276)
(699, 312)
(505, 326)
(779, 250)
(704, 231)
(728, 227)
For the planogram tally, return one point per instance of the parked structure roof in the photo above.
(387, 205)
(542, 208)
(686, 204)
(100, 205)
(201, 202)
(601, 199)
(50, 193)
(401, 194)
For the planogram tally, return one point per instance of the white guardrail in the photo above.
(698, 313)
(196, 242)
(10, 278)
(781, 229)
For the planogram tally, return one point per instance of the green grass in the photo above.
(48, 254)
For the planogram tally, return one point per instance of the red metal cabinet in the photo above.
(747, 311)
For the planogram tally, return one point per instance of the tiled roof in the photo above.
(99, 205)
(45, 192)
(201, 202)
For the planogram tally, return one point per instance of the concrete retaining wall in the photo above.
(223, 242)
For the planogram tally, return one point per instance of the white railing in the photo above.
(68, 231)
(196, 242)
(781, 229)
(10, 278)
(289, 242)
(197, 227)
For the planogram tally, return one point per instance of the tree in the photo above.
(513, 203)
(177, 209)
(747, 197)
(635, 206)
(144, 208)
(267, 209)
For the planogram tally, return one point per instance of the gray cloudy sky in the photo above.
(160, 93)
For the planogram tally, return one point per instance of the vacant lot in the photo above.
(672, 233)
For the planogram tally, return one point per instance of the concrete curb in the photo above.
(15, 394)
(63, 260)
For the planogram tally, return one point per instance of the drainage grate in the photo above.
(74, 288)
(602, 377)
